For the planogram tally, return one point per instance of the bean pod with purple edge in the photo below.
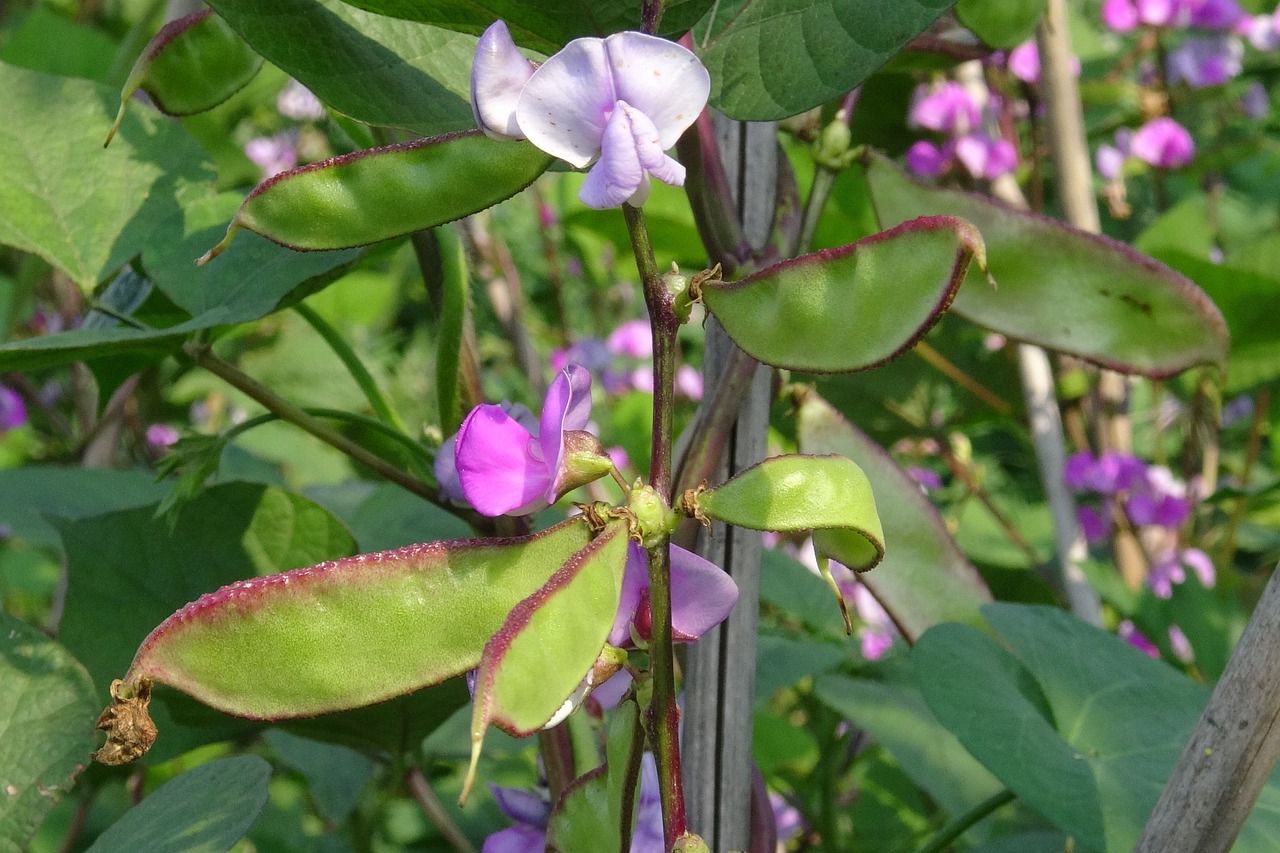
(858, 305)
(348, 633)
(193, 64)
(380, 193)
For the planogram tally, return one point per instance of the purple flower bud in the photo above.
(1181, 645)
(13, 412)
(161, 437)
(1131, 635)
(926, 478)
(498, 76)
(928, 160)
(1163, 143)
(1199, 562)
(1209, 60)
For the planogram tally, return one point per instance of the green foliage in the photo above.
(1005, 24)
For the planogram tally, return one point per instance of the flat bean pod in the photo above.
(380, 193)
(193, 64)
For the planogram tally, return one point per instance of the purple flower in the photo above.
(1163, 143)
(633, 339)
(945, 107)
(446, 463)
(1110, 473)
(505, 468)
(1131, 635)
(13, 412)
(642, 379)
(591, 353)
(1024, 63)
(924, 477)
(984, 157)
(297, 102)
(161, 436)
(1261, 32)
(1216, 14)
(1209, 60)
(701, 597)
(1163, 510)
(1095, 525)
(1169, 569)
(786, 818)
(1109, 161)
(1256, 103)
(1181, 645)
(272, 154)
(1165, 13)
(928, 160)
(878, 631)
(619, 102)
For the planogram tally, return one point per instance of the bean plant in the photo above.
(664, 425)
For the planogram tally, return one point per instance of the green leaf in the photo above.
(193, 64)
(205, 810)
(83, 51)
(543, 25)
(32, 493)
(827, 494)
(770, 59)
(85, 210)
(372, 68)
(1065, 289)
(1098, 724)
(925, 578)
(896, 716)
(861, 304)
(549, 641)
(352, 632)
(251, 279)
(1005, 24)
(379, 193)
(47, 709)
(335, 774)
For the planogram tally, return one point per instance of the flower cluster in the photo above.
(1151, 500)
(621, 361)
(619, 102)
(948, 108)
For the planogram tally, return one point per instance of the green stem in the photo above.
(354, 366)
(664, 715)
(431, 806)
(295, 415)
(418, 451)
(962, 824)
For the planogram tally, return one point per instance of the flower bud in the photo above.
(652, 514)
(584, 461)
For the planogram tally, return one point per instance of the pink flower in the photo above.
(1261, 32)
(1120, 15)
(1181, 645)
(13, 412)
(1095, 526)
(504, 468)
(1024, 63)
(633, 338)
(986, 158)
(928, 160)
(1210, 60)
(688, 381)
(1131, 635)
(161, 437)
(1109, 161)
(297, 102)
(272, 154)
(1163, 143)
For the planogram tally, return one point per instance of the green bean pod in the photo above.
(829, 495)
(193, 64)
(858, 305)
(379, 193)
(347, 633)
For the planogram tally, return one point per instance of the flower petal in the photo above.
(566, 103)
(567, 406)
(516, 839)
(498, 76)
(652, 156)
(635, 580)
(661, 79)
(522, 806)
(496, 466)
(617, 175)
(702, 594)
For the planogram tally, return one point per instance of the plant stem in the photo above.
(294, 414)
(419, 452)
(431, 806)
(664, 715)
(354, 366)
(556, 747)
(1252, 448)
(962, 824)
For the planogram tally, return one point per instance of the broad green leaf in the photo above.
(335, 774)
(770, 59)
(1005, 24)
(1099, 725)
(85, 210)
(251, 279)
(32, 493)
(1255, 341)
(205, 810)
(1065, 289)
(826, 494)
(193, 64)
(925, 578)
(859, 305)
(379, 193)
(83, 50)
(588, 815)
(543, 25)
(898, 718)
(127, 570)
(349, 633)
(47, 709)
(542, 651)
(782, 661)
(375, 69)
